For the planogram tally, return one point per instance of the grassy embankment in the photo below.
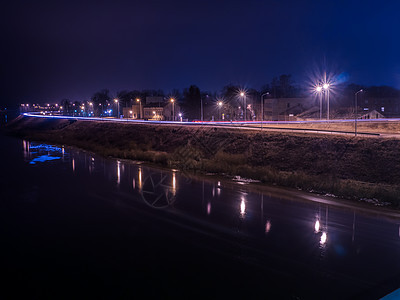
(345, 166)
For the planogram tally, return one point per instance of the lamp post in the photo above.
(117, 102)
(242, 94)
(140, 107)
(319, 91)
(219, 109)
(355, 112)
(262, 108)
(173, 108)
(326, 88)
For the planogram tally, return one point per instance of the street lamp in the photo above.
(180, 116)
(326, 88)
(140, 107)
(173, 108)
(355, 111)
(262, 108)
(91, 104)
(116, 101)
(219, 109)
(318, 89)
(242, 94)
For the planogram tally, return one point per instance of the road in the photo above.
(280, 126)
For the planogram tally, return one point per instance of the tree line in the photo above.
(191, 98)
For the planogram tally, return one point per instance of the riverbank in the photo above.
(348, 167)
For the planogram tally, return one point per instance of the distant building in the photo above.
(372, 115)
(389, 106)
(153, 113)
(133, 112)
(155, 109)
(285, 109)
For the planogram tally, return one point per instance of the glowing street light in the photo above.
(219, 109)
(243, 95)
(180, 116)
(173, 107)
(117, 102)
(140, 107)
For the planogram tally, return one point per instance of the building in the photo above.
(285, 109)
(372, 115)
(390, 106)
(133, 112)
(153, 113)
(156, 108)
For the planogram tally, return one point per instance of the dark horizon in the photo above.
(71, 50)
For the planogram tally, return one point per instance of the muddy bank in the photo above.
(345, 166)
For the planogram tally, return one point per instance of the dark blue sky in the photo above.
(66, 49)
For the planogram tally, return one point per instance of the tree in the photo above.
(66, 106)
(283, 87)
(191, 102)
(100, 100)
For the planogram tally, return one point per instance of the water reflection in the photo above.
(39, 153)
(118, 172)
(268, 226)
(219, 207)
(160, 189)
(242, 207)
(173, 183)
(317, 226)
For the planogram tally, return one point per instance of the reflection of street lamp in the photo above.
(326, 88)
(116, 101)
(317, 226)
(242, 208)
(140, 107)
(242, 94)
(355, 112)
(173, 108)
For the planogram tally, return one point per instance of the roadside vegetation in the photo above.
(344, 166)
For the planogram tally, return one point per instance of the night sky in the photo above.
(52, 50)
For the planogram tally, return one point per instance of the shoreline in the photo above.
(229, 153)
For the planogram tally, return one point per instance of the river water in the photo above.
(76, 224)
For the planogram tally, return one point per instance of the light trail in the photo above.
(251, 125)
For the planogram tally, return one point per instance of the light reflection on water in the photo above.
(39, 153)
(317, 231)
(161, 189)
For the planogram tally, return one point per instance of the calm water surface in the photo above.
(75, 224)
